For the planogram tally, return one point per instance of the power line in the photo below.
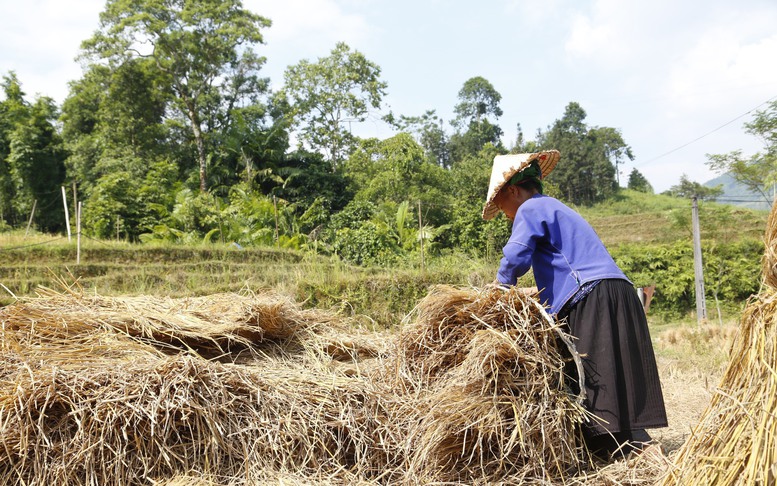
(706, 134)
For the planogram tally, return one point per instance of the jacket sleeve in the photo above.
(527, 230)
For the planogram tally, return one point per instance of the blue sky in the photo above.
(678, 78)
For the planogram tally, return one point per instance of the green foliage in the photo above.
(637, 182)
(759, 172)
(31, 159)
(206, 78)
(479, 134)
(372, 243)
(114, 206)
(477, 100)
(689, 189)
(731, 272)
(396, 170)
(330, 93)
(589, 156)
(305, 178)
(430, 135)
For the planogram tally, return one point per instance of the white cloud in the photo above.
(41, 39)
(722, 63)
(309, 22)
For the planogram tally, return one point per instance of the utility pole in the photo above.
(701, 306)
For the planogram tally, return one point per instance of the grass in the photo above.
(120, 268)
(384, 294)
(635, 217)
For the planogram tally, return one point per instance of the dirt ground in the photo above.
(686, 395)
(691, 363)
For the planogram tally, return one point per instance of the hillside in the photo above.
(737, 194)
(635, 217)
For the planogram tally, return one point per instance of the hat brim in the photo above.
(506, 166)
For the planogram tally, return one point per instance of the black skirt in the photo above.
(621, 377)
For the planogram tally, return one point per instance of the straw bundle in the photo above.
(734, 442)
(154, 419)
(769, 262)
(212, 325)
(97, 390)
(486, 372)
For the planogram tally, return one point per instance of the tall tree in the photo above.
(328, 95)
(32, 165)
(113, 119)
(203, 47)
(396, 170)
(586, 173)
(758, 172)
(477, 100)
(638, 182)
(475, 122)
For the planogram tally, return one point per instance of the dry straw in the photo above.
(734, 442)
(238, 389)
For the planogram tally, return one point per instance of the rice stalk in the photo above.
(251, 389)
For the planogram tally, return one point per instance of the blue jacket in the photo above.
(562, 249)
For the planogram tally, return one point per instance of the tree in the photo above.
(586, 173)
(202, 47)
(329, 93)
(113, 120)
(32, 158)
(477, 100)
(430, 134)
(395, 170)
(759, 172)
(637, 182)
(688, 189)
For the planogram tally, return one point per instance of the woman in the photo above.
(581, 283)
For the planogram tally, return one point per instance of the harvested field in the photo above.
(244, 389)
(237, 389)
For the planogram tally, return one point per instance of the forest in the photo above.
(173, 135)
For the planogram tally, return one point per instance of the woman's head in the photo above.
(519, 171)
(530, 177)
(512, 196)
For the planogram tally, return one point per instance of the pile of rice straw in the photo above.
(236, 389)
(735, 441)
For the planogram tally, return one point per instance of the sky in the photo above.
(677, 78)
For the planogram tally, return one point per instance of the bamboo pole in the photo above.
(78, 233)
(67, 214)
(32, 213)
(421, 235)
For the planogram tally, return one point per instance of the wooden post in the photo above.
(78, 233)
(421, 235)
(275, 210)
(67, 214)
(75, 198)
(698, 269)
(32, 213)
